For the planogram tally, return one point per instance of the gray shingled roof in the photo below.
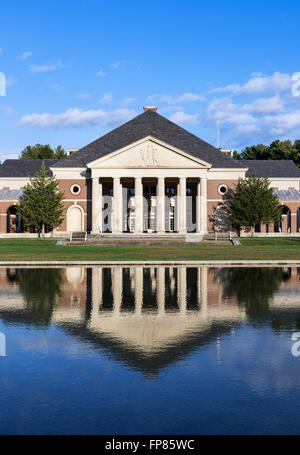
(271, 168)
(146, 124)
(10, 195)
(23, 168)
(288, 195)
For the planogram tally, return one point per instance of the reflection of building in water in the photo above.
(148, 317)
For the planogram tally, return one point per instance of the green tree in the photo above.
(59, 153)
(42, 152)
(253, 202)
(41, 289)
(277, 150)
(254, 287)
(255, 152)
(42, 205)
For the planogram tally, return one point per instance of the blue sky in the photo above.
(77, 69)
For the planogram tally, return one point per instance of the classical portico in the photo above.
(149, 187)
(149, 205)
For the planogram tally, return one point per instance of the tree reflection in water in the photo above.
(254, 287)
(41, 288)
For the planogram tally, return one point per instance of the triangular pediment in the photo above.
(149, 153)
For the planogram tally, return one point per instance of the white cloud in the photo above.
(224, 110)
(234, 120)
(44, 68)
(25, 55)
(127, 101)
(276, 83)
(181, 117)
(10, 81)
(115, 65)
(106, 98)
(75, 117)
(56, 87)
(265, 105)
(187, 97)
(283, 122)
(101, 73)
(82, 96)
(8, 110)
(260, 120)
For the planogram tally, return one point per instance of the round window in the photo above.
(223, 189)
(75, 189)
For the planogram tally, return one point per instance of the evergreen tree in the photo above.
(253, 202)
(277, 150)
(41, 205)
(42, 152)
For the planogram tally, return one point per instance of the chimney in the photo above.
(227, 151)
(150, 108)
(71, 151)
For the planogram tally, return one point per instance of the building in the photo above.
(147, 176)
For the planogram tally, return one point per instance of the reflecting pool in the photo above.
(149, 350)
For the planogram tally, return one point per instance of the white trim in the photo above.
(76, 200)
(70, 173)
(229, 169)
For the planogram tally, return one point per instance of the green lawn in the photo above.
(47, 250)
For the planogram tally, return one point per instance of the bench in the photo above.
(78, 236)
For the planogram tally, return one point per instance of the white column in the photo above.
(138, 198)
(161, 289)
(199, 288)
(96, 205)
(160, 206)
(182, 205)
(117, 206)
(203, 205)
(96, 292)
(139, 283)
(153, 279)
(198, 208)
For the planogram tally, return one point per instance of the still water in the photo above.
(165, 350)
